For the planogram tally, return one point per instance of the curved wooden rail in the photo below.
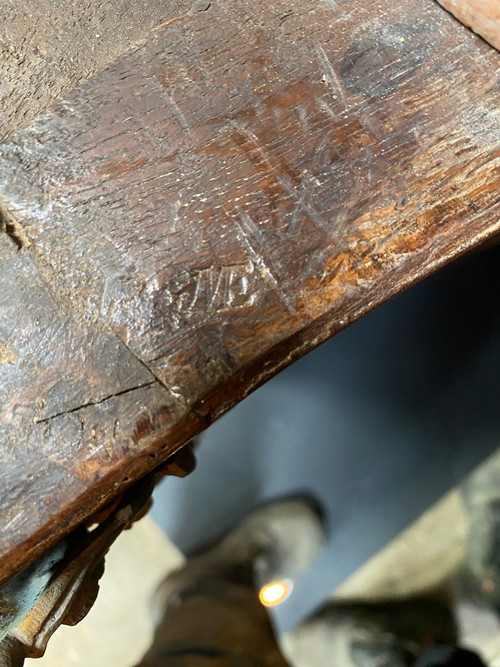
(208, 209)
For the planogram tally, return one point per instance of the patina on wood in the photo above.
(48, 47)
(208, 209)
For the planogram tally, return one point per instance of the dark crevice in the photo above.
(91, 403)
(202, 5)
(10, 226)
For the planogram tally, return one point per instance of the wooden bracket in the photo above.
(74, 587)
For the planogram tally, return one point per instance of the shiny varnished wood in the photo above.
(208, 209)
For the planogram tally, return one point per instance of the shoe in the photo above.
(275, 543)
(282, 539)
(392, 634)
(480, 575)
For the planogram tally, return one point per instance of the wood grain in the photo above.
(483, 16)
(211, 207)
(48, 47)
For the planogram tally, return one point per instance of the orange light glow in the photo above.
(274, 593)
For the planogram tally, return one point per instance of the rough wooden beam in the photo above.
(210, 208)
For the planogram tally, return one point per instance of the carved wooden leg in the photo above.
(75, 570)
(11, 653)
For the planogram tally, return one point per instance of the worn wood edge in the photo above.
(289, 349)
(155, 452)
(164, 442)
(479, 16)
(323, 328)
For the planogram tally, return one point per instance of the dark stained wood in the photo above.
(39, 326)
(77, 407)
(210, 208)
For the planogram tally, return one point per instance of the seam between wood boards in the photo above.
(67, 299)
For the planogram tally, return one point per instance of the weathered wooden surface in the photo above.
(483, 16)
(210, 208)
(47, 47)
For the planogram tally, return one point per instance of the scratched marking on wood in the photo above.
(229, 195)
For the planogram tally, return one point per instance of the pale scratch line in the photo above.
(314, 215)
(174, 215)
(327, 109)
(302, 116)
(179, 116)
(250, 136)
(245, 228)
(368, 164)
(329, 72)
(332, 5)
(217, 289)
(298, 208)
(199, 288)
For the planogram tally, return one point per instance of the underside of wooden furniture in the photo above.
(209, 208)
(62, 586)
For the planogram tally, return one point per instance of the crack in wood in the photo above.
(93, 403)
(10, 226)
